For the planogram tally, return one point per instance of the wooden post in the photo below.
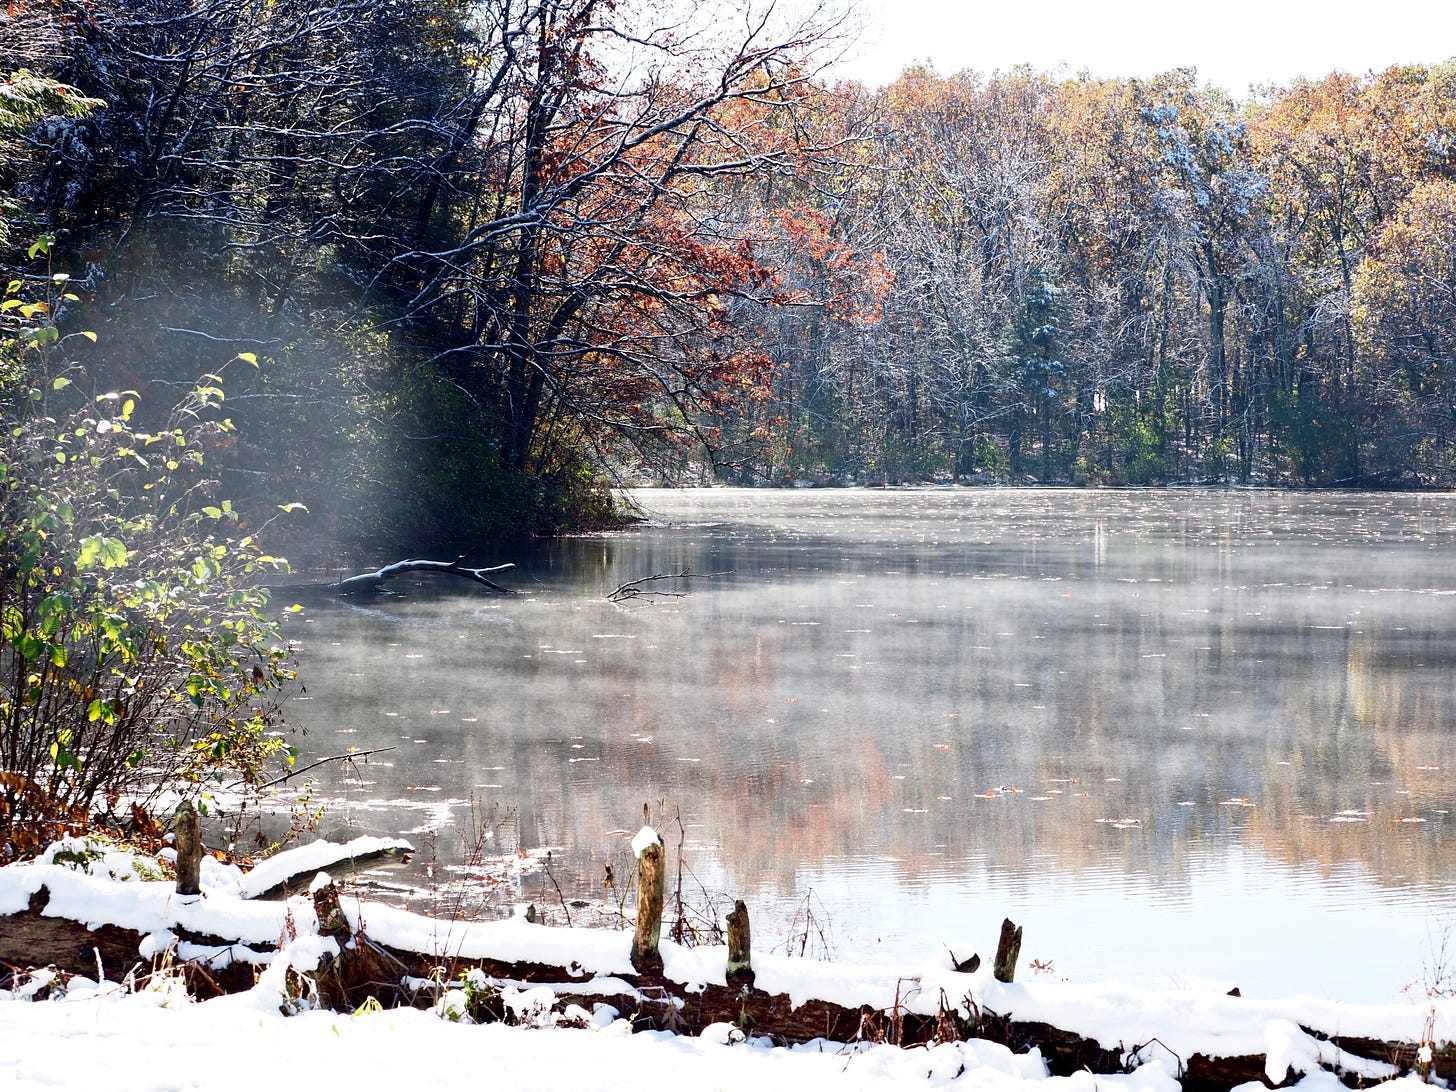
(189, 850)
(651, 884)
(1008, 951)
(740, 961)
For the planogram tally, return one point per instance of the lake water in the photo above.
(1179, 736)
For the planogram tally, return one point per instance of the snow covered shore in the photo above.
(148, 1034)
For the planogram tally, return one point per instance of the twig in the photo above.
(312, 765)
(559, 896)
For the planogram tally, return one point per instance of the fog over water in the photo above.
(1178, 735)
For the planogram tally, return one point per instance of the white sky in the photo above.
(1233, 43)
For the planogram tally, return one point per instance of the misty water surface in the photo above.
(1178, 735)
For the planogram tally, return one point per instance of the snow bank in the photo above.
(143, 1042)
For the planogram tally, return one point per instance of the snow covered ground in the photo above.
(150, 1035)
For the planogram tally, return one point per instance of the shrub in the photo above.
(136, 657)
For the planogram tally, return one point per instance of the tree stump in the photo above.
(331, 919)
(740, 957)
(1008, 951)
(189, 850)
(651, 884)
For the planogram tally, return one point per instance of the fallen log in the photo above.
(30, 939)
(291, 872)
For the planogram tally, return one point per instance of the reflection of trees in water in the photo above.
(1174, 667)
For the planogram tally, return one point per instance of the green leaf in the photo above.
(249, 358)
(293, 506)
(113, 553)
(60, 383)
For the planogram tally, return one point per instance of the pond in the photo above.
(1179, 736)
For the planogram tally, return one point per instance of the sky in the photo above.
(1232, 43)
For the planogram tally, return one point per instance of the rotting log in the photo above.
(651, 887)
(1008, 951)
(740, 954)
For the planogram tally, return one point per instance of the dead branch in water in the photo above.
(369, 582)
(637, 589)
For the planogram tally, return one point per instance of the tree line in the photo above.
(1134, 281)
(494, 255)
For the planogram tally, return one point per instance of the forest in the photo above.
(461, 266)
